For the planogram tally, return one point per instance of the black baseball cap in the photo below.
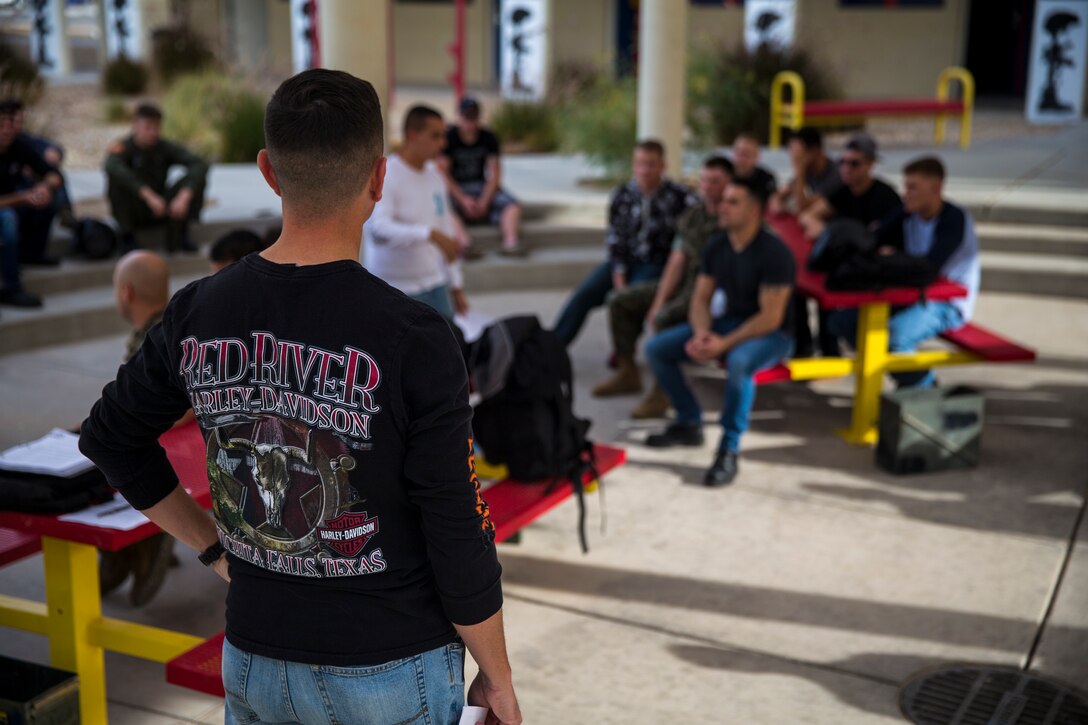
(864, 144)
(469, 108)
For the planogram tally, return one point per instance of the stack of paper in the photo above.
(55, 454)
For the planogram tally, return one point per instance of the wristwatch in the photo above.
(211, 555)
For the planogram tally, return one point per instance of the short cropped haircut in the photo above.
(10, 106)
(747, 136)
(756, 190)
(234, 245)
(417, 117)
(651, 145)
(721, 164)
(323, 133)
(809, 137)
(149, 111)
(930, 166)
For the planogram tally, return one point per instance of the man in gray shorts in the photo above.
(474, 173)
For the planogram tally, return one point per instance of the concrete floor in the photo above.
(805, 593)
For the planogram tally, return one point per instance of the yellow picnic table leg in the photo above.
(73, 601)
(869, 368)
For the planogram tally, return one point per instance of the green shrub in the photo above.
(19, 78)
(179, 51)
(532, 126)
(242, 129)
(124, 77)
(115, 110)
(729, 89)
(601, 123)
(215, 115)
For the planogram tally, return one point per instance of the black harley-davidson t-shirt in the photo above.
(335, 411)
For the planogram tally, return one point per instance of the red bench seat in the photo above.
(897, 107)
(988, 345)
(16, 545)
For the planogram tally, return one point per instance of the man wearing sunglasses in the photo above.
(862, 196)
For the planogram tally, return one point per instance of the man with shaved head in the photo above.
(141, 288)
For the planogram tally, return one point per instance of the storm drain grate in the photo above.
(990, 696)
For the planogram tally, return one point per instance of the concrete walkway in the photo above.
(806, 593)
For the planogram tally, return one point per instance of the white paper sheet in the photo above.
(56, 453)
(473, 324)
(116, 514)
(472, 715)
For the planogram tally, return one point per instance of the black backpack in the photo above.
(42, 494)
(848, 253)
(526, 420)
(94, 239)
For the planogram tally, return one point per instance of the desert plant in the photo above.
(729, 89)
(19, 78)
(601, 123)
(532, 126)
(178, 51)
(124, 77)
(242, 129)
(115, 110)
(216, 115)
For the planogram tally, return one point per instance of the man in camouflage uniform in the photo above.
(136, 169)
(141, 284)
(664, 304)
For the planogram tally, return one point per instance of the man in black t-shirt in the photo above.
(756, 271)
(348, 517)
(474, 173)
(861, 197)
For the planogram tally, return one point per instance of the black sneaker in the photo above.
(723, 471)
(19, 298)
(677, 434)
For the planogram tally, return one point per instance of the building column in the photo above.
(662, 62)
(355, 37)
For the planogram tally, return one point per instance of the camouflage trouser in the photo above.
(132, 213)
(627, 314)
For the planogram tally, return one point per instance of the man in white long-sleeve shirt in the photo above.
(414, 241)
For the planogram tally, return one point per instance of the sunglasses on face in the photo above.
(851, 163)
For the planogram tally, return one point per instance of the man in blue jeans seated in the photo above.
(641, 226)
(756, 271)
(929, 226)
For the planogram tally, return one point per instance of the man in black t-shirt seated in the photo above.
(473, 172)
(746, 164)
(862, 197)
(755, 269)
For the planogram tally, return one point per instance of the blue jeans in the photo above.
(438, 298)
(428, 689)
(592, 292)
(907, 327)
(665, 352)
(9, 250)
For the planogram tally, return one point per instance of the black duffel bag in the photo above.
(35, 493)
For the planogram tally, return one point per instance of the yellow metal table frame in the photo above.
(79, 635)
(869, 366)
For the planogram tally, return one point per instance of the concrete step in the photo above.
(1033, 239)
(1048, 276)
(78, 274)
(89, 312)
(542, 234)
(68, 317)
(1057, 216)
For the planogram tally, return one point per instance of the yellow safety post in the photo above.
(967, 91)
(872, 354)
(71, 594)
(790, 114)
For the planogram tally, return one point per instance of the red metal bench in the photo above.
(513, 505)
(16, 545)
(795, 112)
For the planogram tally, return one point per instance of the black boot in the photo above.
(723, 471)
(677, 434)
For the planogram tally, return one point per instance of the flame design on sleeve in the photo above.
(481, 505)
